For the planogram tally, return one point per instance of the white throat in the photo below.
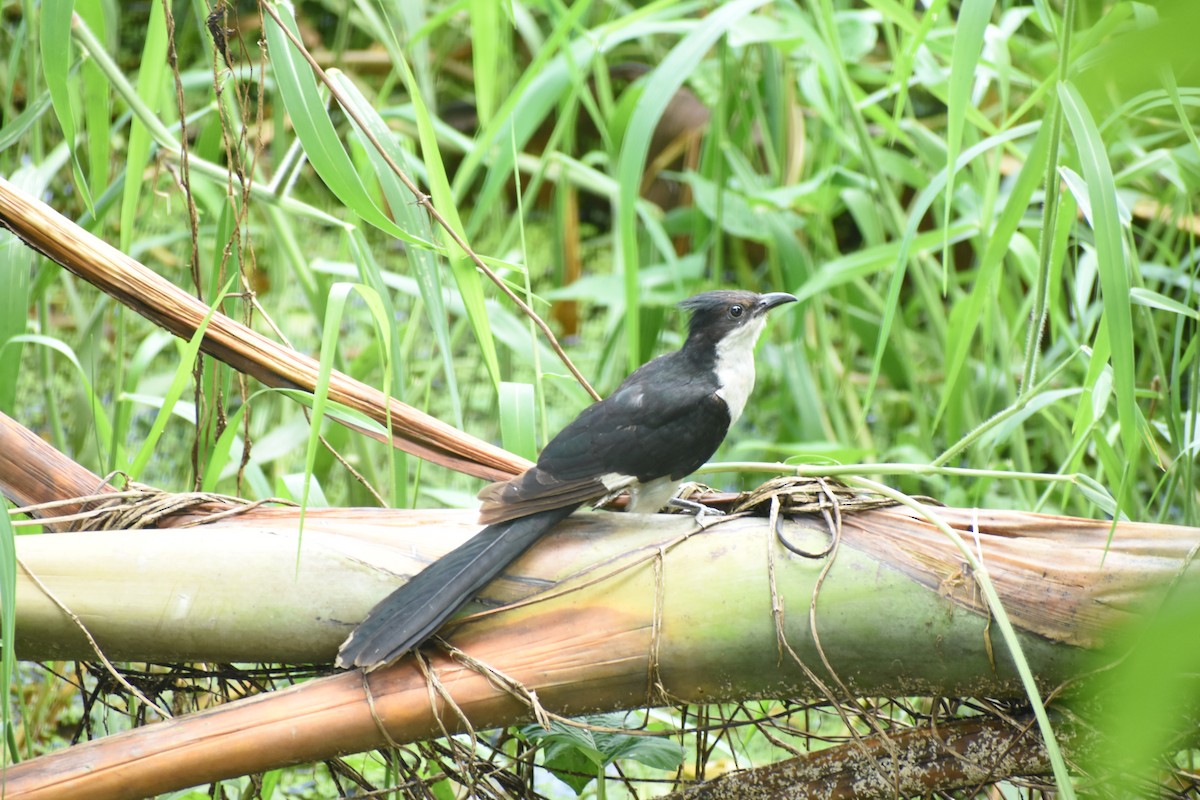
(735, 366)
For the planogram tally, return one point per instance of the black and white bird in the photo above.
(659, 426)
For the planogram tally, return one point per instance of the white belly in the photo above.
(644, 498)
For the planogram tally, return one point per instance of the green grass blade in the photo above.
(183, 376)
(880, 258)
(151, 78)
(315, 130)
(466, 276)
(334, 308)
(537, 91)
(518, 419)
(331, 327)
(973, 19)
(16, 263)
(333, 409)
(1110, 251)
(101, 428)
(130, 377)
(222, 449)
(97, 101)
(55, 45)
(259, 190)
(17, 127)
(511, 331)
(919, 34)
(964, 325)
(660, 86)
(8, 629)
(1152, 299)
(383, 313)
(916, 213)
(423, 262)
(487, 28)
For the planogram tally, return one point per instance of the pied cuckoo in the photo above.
(660, 425)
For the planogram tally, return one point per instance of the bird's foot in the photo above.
(698, 509)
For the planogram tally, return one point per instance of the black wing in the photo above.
(641, 430)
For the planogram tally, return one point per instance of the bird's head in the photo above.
(729, 315)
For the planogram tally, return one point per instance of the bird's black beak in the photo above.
(768, 301)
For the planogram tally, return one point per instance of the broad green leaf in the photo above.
(572, 748)
(574, 766)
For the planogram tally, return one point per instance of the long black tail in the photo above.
(409, 615)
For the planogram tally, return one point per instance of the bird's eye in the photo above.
(736, 311)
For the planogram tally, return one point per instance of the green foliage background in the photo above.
(988, 210)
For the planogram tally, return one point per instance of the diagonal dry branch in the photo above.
(32, 472)
(158, 300)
